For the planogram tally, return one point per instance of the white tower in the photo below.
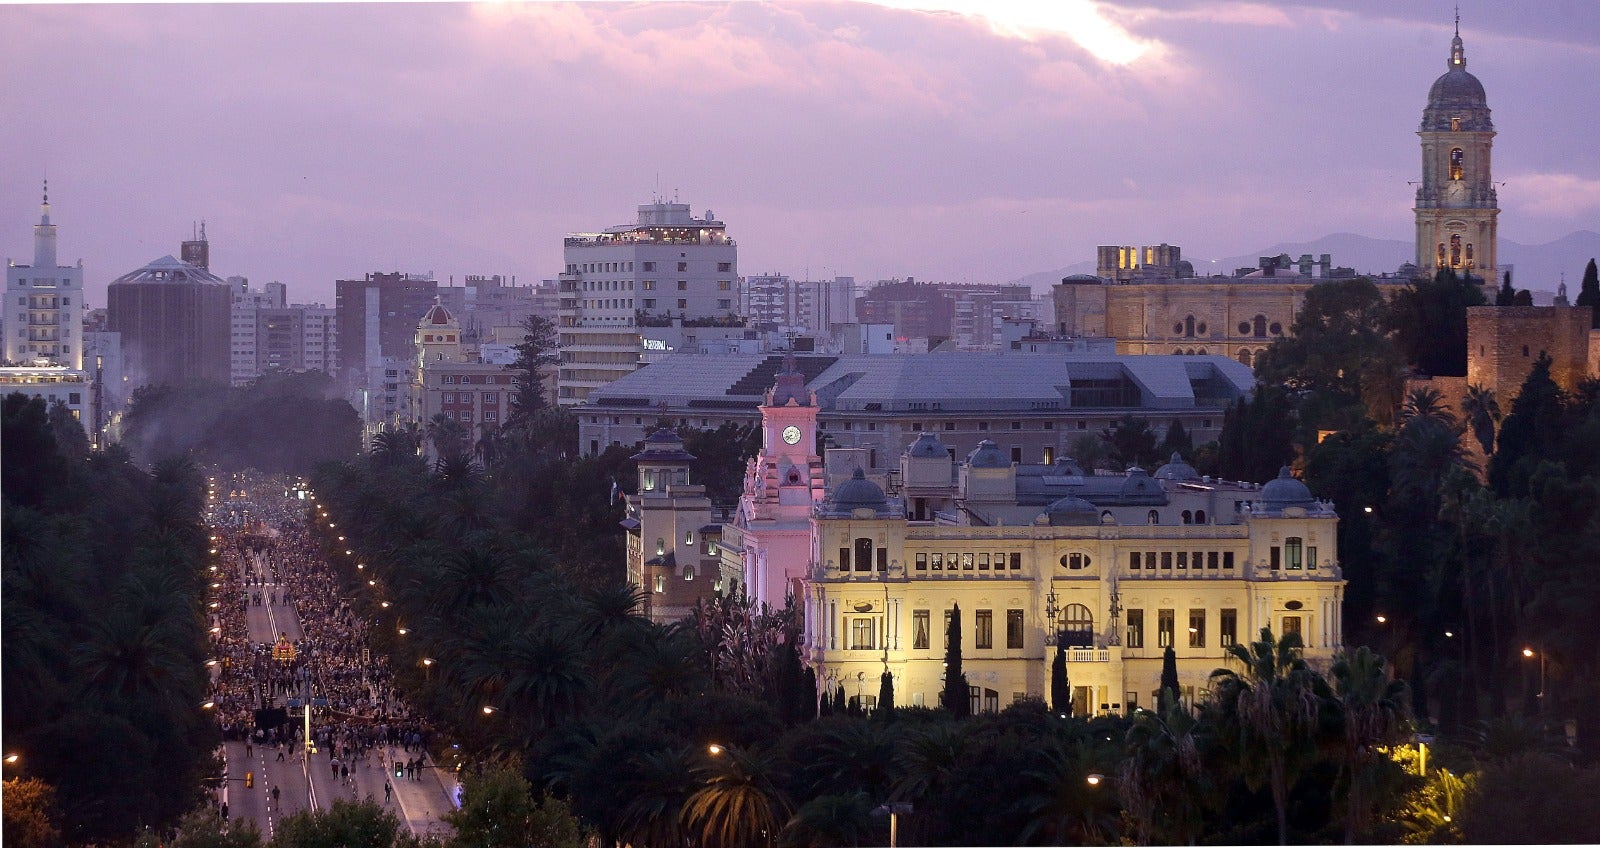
(43, 312)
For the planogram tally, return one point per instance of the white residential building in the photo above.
(668, 265)
(43, 311)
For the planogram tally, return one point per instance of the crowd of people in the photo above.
(266, 557)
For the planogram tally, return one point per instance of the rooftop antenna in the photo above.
(1458, 20)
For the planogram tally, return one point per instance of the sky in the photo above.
(943, 139)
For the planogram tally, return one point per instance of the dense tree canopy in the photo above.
(245, 426)
(104, 638)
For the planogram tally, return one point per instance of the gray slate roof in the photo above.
(934, 382)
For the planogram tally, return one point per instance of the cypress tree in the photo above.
(1507, 295)
(886, 695)
(1589, 293)
(825, 704)
(1169, 679)
(840, 705)
(955, 697)
(1060, 691)
(806, 709)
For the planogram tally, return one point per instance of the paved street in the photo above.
(269, 573)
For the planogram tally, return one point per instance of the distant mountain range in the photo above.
(1537, 267)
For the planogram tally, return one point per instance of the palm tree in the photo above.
(829, 821)
(738, 803)
(1163, 780)
(1268, 715)
(1375, 713)
(124, 659)
(658, 665)
(448, 436)
(1426, 402)
(844, 755)
(658, 786)
(1061, 805)
(1482, 412)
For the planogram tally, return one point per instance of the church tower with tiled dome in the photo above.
(1456, 203)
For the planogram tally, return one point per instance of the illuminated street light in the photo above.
(487, 710)
(1383, 619)
(11, 759)
(1094, 779)
(715, 750)
(404, 631)
(208, 705)
(384, 604)
(1527, 652)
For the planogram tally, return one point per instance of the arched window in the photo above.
(863, 554)
(1188, 517)
(1200, 516)
(1244, 356)
(1456, 157)
(1260, 326)
(1188, 326)
(1077, 626)
(1155, 517)
(1075, 561)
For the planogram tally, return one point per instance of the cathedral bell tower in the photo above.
(1456, 202)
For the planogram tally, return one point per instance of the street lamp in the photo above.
(427, 668)
(1529, 653)
(488, 710)
(714, 749)
(11, 759)
(1094, 779)
(894, 811)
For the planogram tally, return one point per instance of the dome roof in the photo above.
(1285, 491)
(859, 492)
(1139, 484)
(1080, 279)
(1457, 102)
(663, 445)
(1066, 466)
(437, 314)
(1072, 511)
(170, 271)
(1457, 88)
(1177, 469)
(928, 446)
(987, 455)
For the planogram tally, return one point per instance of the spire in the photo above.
(1458, 54)
(44, 234)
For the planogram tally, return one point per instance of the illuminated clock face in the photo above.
(791, 435)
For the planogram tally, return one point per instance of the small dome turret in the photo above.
(1072, 511)
(1176, 469)
(987, 455)
(928, 446)
(1139, 484)
(1285, 491)
(858, 492)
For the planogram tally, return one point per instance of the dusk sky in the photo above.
(834, 138)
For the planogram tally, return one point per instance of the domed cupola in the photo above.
(1177, 470)
(1073, 511)
(857, 493)
(928, 446)
(1066, 466)
(987, 455)
(1285, 491)
(1457, 102)
(1139, 485)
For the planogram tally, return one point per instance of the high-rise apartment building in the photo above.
(43, 312)
(775, 301)
(269, 334)
(668, 265)
(376, 320)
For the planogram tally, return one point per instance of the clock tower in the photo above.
(782, 483)
(1456, 202)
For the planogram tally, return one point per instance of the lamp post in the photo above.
(894, 811)
(1529, 653)
(427, 669)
